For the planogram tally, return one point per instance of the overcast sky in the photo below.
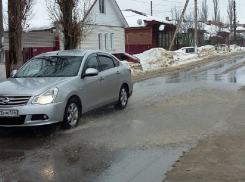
(161, 9)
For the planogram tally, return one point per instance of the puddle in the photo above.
(16, 142)
(215, 71)
(143, 165)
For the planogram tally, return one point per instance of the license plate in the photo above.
(8, 113)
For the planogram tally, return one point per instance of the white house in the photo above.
(108, 25)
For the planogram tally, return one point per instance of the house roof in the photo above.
(138, 19)
(50, 25)
(240, 28)
(115, 7)
(41, 28)
(213, 30)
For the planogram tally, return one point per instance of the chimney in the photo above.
(167, 18)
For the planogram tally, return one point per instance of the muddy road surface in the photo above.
(167, 120)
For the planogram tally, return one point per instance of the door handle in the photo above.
(102, 78)
(118, 72)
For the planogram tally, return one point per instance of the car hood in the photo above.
(30, 86)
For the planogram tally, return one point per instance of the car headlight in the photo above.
(46, 97)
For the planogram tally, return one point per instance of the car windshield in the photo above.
(53, 66)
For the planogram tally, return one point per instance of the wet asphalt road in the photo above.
(165, 117)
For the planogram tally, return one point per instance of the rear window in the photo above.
(117, 56)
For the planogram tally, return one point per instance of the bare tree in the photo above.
(71, 17)
(204, 12)
(218, 17)
(216, 10)
(19, 12)
(175, 15)
(188, 22)
(230, 12)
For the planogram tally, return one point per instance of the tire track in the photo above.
(219, 64)
(235, 67)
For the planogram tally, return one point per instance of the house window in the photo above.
(106, 41)
(100, 41)
(102, 6)
(112, 41)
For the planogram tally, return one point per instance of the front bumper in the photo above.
(54, 112)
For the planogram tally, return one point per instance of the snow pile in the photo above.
(155, 58)
(182, 58)
(158, 57)
(207, 50)
(210, 51)
(137, 19)
(206, 47)
(135, 67)
(235, 47)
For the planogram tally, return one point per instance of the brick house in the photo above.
(146, 32)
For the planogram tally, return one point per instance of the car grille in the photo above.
(13, 121)
(12, 101)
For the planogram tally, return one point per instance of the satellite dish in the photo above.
(139, 22)
(161, 28)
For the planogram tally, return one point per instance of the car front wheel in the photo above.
(123, 98)
(72, 114)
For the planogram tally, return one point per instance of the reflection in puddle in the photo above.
(215, 71)
(143, 165)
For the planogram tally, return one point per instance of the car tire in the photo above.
(123, 98)
(72, 114)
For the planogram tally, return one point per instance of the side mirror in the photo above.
(91, 72)
(13, 73)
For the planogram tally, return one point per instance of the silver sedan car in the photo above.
(60, 86)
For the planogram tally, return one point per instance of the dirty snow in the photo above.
(157, 58)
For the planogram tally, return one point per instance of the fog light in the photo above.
(45, 117)
(37, 117)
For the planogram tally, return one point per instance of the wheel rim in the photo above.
(124, 97)
(72, 114)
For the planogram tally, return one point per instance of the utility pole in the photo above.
(151, 9)
(196, 43)
(234, 22)
(1, 33)
(180, 21)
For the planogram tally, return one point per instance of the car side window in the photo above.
(106, 62)
(92, 62)
(116, 62)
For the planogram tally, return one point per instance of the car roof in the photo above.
(74, 52)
